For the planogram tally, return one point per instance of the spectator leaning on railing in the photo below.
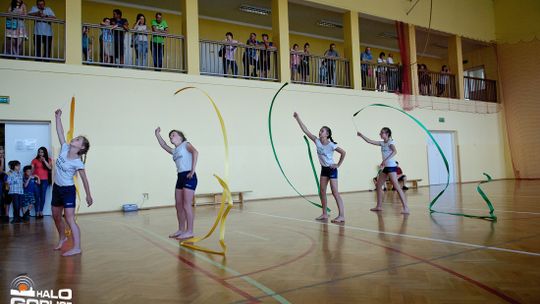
(228, 53)
(121, 25)
(304, 63)
(141, 40)
(106, 38)
(250, 56)
(15, 28)
(381, 72)
(295, 62)
(330, 64)
(43, 34)
(365, 59)
(443, 80)
(159, 25)
(266, 51)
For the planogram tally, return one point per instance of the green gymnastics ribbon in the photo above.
(312, 164)
(277, 159)
(432, 203)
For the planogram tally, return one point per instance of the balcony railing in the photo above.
(220, 58)
(381, 77)
(320, 70)
(480, 89)
(36, 38)
(437, 84)
(105, 46)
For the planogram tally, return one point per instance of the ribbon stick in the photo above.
(275, 153)
(69, 137)
(432, 203)
(226, 198)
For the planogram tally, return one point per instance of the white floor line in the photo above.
(401, 235)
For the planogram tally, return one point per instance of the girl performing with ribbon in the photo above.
(64, 194)
(388, 168)
(329, 173)
(185, 157)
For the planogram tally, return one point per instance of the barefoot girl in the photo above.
(388, 166)
(185, 157)
(329, 173)
(68, 163)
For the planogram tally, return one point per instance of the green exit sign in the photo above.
(441, 119)
(4, 99)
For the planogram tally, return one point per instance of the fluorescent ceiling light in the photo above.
(262, 11)
(388, 35)
(329, 24)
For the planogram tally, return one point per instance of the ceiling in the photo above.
(303, 18)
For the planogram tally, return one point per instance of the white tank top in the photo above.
(386, 151)
(182, 158)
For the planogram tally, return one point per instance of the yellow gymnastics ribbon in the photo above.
(69, 137)
(226, 198)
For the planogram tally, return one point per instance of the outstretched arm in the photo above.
(303, 127)
(195, 155)
(59, 127)
(373, 142)
(162, 142)
(86, 185)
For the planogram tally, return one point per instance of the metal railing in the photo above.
(105, 46)
(36, 38)
(320, 70)
(219, 58)
(381, 77)
(480, 89)
(436, 84)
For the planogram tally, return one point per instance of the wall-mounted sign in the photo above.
(4, 99)
(441, 119)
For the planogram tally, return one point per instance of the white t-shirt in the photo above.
(182, 158)
(389, 60)
(325, 153)
(386, 151)
(66, 168)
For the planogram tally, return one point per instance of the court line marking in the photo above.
(402, 235)
(269, 292)
(419, 260)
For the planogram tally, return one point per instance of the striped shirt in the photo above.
(15, 181)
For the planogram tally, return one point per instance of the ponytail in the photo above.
(329, 131)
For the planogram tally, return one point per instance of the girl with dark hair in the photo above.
(388, 168)
(185, 157)
(329, 173)
(141, 40)
(69, 162)
(42, 168)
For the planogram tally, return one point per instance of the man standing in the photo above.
(43, 34)
(159, 25)
(366, 59)
(120, 26)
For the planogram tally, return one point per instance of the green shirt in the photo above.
(160, 26)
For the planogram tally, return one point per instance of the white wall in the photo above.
(119, 109)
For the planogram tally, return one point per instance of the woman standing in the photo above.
(42, 168)
(15, 28)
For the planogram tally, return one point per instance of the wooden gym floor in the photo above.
(279, 254)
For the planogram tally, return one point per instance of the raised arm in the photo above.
(59, 127)
(195, 155)
(369, 141)
(303, 127)
(162, 142)
(86, 185)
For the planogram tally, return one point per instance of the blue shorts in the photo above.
(387, 170)
(63, 196)
(329, 172)
(184, 182)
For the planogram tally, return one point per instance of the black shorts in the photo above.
(331, 173)
(184, 182)
(64, 196)
(387, 170)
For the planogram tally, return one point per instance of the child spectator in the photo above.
(30, 192)
(16, 189)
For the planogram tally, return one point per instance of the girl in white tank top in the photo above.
(185, 158)
(388, 168)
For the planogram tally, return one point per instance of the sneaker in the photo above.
(26, 218)
(405, 188)
(16, 220)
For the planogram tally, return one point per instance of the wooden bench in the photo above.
(414, 183)
(238, 197)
